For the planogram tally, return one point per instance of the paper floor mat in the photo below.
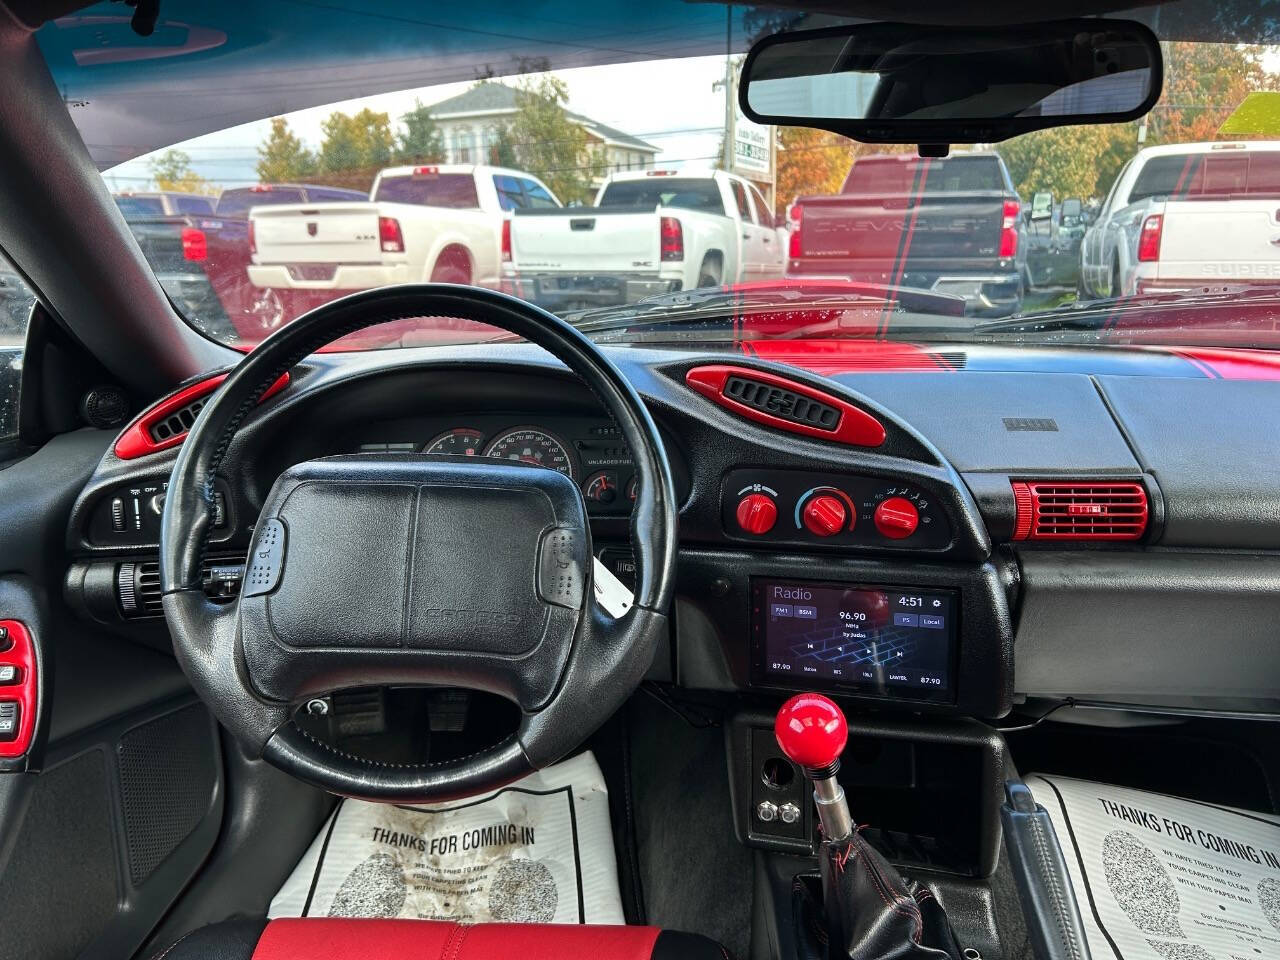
(539, 850)
(1160, 878)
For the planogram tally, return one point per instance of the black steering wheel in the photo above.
(384, 569)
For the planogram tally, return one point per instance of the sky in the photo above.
(669, 103)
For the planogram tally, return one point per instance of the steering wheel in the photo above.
(405, 569)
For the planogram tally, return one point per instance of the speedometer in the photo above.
(530, 445)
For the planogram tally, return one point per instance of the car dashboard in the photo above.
(897, 568)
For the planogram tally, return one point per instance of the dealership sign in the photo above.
(751, 147)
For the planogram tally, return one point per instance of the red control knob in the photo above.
(824, 515)
(757, 513)
(811, 730)
(896, 518)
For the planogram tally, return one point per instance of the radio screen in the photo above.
(889, 641)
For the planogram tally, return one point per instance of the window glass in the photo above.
(140, 206)
(16, 299)
(690, 193)
(536, 196)
(238, 202)
(193, 204)
(763, 216)
(457, 191)
(740, 198)
(509, 193)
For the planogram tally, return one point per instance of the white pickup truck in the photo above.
(649, 233)
(1187, 217)
(443, 223)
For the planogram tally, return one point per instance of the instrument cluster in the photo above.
(589, 451)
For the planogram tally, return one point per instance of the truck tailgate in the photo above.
(1220, 240)
(884, 228)
(327, 233)
(587, 241)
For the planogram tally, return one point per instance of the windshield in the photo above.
(601, 168)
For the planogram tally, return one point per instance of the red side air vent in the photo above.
(786, 405)
(165, 424)
(1079, 510)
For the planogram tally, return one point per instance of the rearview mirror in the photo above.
(1042, 206)
(906, 83)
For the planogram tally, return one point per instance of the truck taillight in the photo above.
(253, 240)
(672, 237)
(1009, 229)
(195, 246)
(390, 235)
(1149, 238)
(793, 243)
(506, 240)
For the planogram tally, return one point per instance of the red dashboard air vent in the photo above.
(1079, 510)
(786, 405)
(165, 424)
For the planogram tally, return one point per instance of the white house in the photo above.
(469, 123)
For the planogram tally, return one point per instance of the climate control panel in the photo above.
(805, 507)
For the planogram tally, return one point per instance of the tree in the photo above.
(1065, 161)
(549, 143)
(352, 143)
(1204, 83)
(171, 170)
(421, 140)
(502, 148)
(282, 158)
(376, 140)
(809, 161)
(340, 148)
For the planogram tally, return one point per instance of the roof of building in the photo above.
(490, 97)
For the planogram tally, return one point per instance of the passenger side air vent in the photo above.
(138, 584)
(1079, 510)
(786, 404)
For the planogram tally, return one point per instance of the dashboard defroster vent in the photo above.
(1079, 510)
(785, 404)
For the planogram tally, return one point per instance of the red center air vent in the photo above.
(1079, 510)
(786, 405)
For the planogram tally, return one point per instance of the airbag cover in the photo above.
(419, 558)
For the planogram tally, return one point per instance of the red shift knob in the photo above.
(811, 730)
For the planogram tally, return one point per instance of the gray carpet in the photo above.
(696, 876)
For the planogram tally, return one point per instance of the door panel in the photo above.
(121, 800)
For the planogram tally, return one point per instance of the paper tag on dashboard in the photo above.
(611, 593)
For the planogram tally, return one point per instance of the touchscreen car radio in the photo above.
(878, 641)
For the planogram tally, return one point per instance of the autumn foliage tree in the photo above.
(810, 161)
(1204, 83)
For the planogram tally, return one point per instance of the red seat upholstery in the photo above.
(321, 938)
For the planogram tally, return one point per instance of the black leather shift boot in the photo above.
(866, 910)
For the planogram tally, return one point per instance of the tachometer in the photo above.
(459, 442)
(530, 445)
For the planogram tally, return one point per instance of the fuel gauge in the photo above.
(601, 487)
